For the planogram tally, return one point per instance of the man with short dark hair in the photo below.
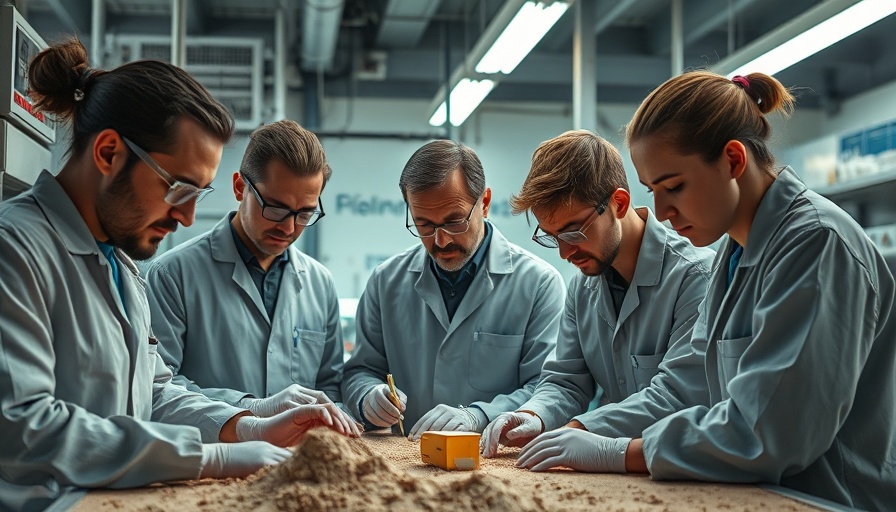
(243, 316)
(463, 321)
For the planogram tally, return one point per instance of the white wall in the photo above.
(365, 211)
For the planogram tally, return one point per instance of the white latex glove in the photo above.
(379, 409)
(444, 417)
(292, 396)
(576, 449)
(288, 427)
(236, 460)
(510, 429)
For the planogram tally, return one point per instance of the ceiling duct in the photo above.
(320, 27)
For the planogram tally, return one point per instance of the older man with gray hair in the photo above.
(463, 321)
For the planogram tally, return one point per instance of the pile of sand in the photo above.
(332, 472)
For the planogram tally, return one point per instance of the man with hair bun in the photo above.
(629, 313)
(85, 399)
(798, 325)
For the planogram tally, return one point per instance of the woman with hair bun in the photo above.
(797, 327)
(85, 399)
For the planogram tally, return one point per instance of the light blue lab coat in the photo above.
(81, 385)
(214, 332)
(800, 361)
(489, 355)
(622, 355)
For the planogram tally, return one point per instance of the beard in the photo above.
(604, 261)
(466, 256)
(465, 252)
(121, 216)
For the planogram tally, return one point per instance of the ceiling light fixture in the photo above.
(513, 33)
(524, 31)
(817, 29)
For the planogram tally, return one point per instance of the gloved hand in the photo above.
(235, 460)
(444, 417)
(577, 449)
(288, 427)
(510, 429)
(379, 409)
(292, 396)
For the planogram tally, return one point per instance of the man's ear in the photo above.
(110, 154)
(486, 201)
(239, 186)
(735, 155)
(623, 201)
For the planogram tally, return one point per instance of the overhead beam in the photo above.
(538, 68)
(584, 70)
(405, 21)
(196, 22)
(74, 14)
(700, 18)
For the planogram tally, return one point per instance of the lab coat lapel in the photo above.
(290, 288)
(79, 241)
(648, 267)
(717, 297)
(498, 261)
(135, 327)
(224, 250)
(428, 288)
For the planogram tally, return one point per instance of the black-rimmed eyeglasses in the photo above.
(178, 191)
(570, 237)
(427, 230)
(304, 217)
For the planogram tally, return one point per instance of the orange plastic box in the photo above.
(450, 450)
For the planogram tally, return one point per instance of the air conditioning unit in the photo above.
(231, 68)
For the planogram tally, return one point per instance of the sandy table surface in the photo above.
(555, 490)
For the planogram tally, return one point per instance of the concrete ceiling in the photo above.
(417, 36)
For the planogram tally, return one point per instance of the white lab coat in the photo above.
(84, 398)
(800, 361)
(214, 332)
(489, 355)
(622, 355)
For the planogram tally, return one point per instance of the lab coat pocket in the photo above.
(307, 352)
(495, 362)
(645, 367)
(730, 352)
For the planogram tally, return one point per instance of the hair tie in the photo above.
(83, 76)
(744, 83)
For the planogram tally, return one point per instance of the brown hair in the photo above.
(576, 165)
(140, 100)
(700, 111)
(431, 165)
(289, 143)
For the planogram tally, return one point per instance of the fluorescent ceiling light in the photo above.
(465, 97)
(819, 37)
(524, 31)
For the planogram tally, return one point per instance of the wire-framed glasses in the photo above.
(427, 230)
(570, 237)
(178, 191)
(304, 217)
